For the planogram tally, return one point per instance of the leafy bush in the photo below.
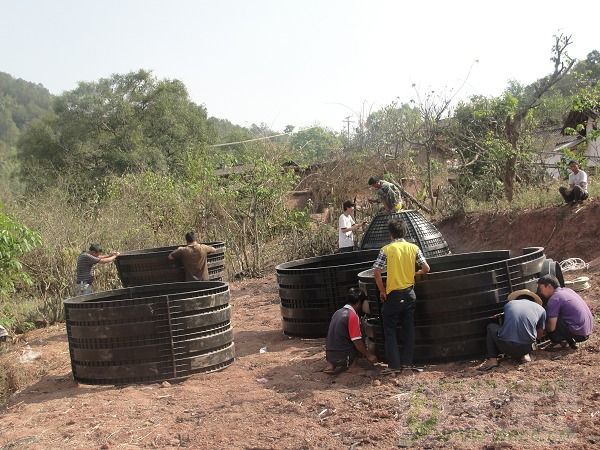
(15, 241)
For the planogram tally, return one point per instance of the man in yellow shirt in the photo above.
(398, 296)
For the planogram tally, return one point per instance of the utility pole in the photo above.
(348, 122)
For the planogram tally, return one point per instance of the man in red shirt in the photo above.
(344, 338)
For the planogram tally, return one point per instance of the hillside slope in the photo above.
(564, 231)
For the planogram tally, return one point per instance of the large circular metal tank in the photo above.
(151, 266)
(312, 289)
(150, 333)
(456, 301)
(418, 231)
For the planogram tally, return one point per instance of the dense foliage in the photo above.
(15, 241)
(20, 103)
(125, 123)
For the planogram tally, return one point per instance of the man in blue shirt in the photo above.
(524, 321)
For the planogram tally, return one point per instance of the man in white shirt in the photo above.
(346, 228)
(577, 190)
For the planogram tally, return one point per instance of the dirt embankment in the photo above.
(280, 399)
(565, 231)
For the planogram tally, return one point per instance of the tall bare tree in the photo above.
(514, 122)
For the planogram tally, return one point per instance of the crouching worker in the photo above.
(569, 317)
(344, 338)
(578, 185)
(524, 321)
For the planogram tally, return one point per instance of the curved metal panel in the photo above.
(150, 333)
(151, 265)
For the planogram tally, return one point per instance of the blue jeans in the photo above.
(399, 309)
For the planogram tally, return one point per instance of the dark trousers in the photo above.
(562, 333)
(495, 345)
(345, 249)
(341, 359)
(399, 309)
(575, 195)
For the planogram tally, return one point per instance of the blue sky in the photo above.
(292, 62)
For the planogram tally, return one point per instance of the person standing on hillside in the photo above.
(387, 193)
(85, 268)
(398, 295)
(524, 321)
(569, 317)
(578, 185)
(346, 228)
(344, 338)
(194, 258)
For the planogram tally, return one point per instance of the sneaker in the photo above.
(413, 368)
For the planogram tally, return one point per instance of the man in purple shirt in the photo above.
(569, 318)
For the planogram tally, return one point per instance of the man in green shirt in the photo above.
(387, 193)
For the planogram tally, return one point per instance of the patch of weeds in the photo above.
(491, 383)
(476, 386)
(551, 386)
(514, 434)
(423, 415)
(512, 385)
(462, 435)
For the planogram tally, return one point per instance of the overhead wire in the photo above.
(260, 138)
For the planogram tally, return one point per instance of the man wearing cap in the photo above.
(346, 228)
(569, 317)
(85, 267)
(577, 190)
(387, 193)
(524, 321)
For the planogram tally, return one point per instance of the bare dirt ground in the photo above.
(279, 399)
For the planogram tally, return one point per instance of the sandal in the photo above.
(487, 368)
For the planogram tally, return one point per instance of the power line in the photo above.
(260, 138)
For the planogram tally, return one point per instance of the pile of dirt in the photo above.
(565, 232)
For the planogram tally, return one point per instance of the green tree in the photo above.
(125, 123)
(20, 103)
(389, 129)
(494, 135)
(314, 144)
(251, 205)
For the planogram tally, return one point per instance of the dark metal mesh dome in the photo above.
(418, 230)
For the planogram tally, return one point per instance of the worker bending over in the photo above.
(387, 193)
(194, 257)
(524, 321)
(344, 339)
(569, 317)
